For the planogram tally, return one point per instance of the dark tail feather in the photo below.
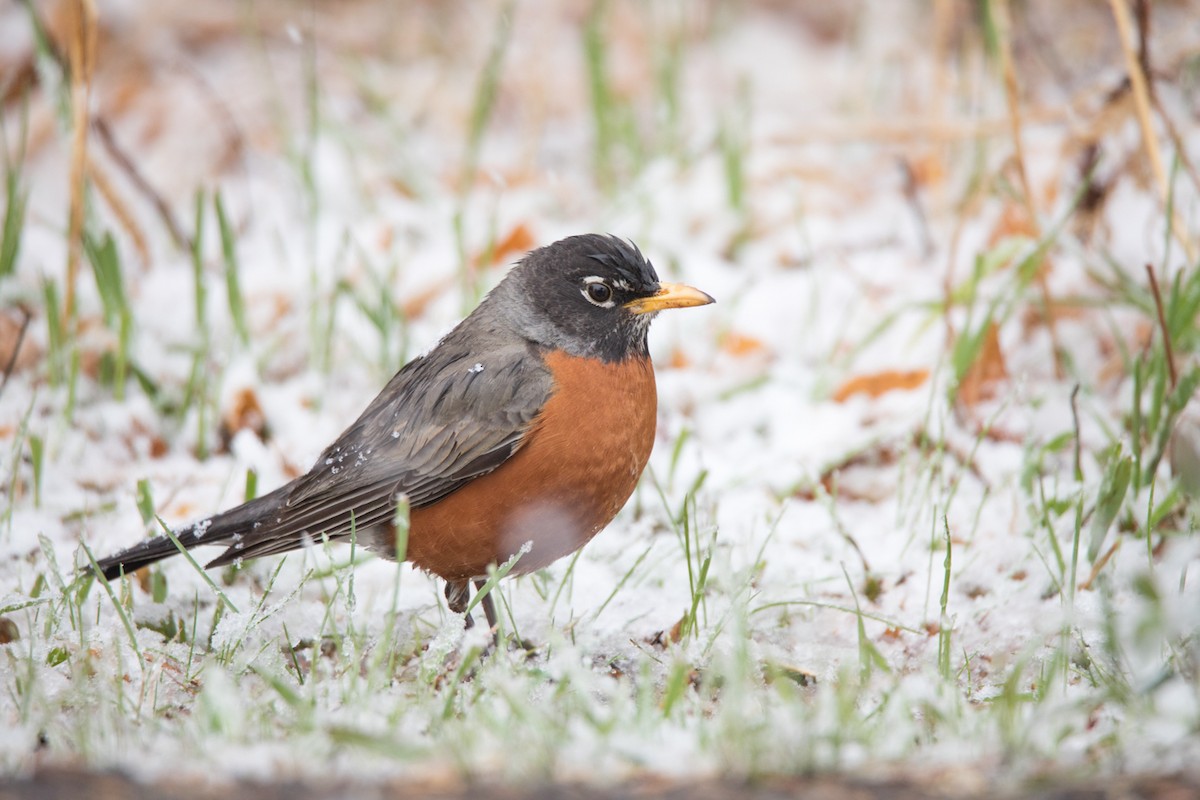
(218, 530)
(140, 555)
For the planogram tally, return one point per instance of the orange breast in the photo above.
(578, 465)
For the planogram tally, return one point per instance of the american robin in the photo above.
(525, 428)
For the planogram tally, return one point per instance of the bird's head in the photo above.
(591, 295)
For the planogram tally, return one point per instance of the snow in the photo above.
(802, 503)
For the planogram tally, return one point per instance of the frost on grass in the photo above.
(880, 529)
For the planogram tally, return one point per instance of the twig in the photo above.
(1138, 81)
(920, 129)
(126, 220)
(1181, 151)
(122, 159)
(1086, 586)
(1043, 45)
(118, 154)
(12, 359)
(913, 195)
(234, 145)
(1142, 9)
(1162, 324)
(81, 57)
(1141, 95)
(1013, 98)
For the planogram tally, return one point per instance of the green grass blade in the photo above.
(233, 288)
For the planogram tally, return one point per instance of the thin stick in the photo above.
(121, 157)
(1086, 586)
(1142, 9)
(12, 360)
(1138, 81)
(915, 129)
(1162, 324)
(912, 193)
(1141, 94)
(121, 211)
(118, 154)
(81, 52)
(1013, 99)
(1181, 153)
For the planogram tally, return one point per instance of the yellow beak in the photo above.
(669, 295)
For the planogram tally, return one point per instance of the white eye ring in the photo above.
(597, 292)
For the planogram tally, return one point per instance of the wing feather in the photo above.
(441, 421)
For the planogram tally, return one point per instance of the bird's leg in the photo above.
(457, 595)
(489, 608)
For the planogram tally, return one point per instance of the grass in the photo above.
(196, 392)
(756, 618)
(630, 129)
(16, 196)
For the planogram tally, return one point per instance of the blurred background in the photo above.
(924, 491)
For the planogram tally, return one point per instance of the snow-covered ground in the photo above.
(864, 484)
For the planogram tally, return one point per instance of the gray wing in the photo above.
(442, 420)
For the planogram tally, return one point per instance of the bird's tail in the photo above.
(219, 530)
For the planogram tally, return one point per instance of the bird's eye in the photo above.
(598, 292)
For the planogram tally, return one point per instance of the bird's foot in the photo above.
(458, 594)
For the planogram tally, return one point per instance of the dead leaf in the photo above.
(1014, 221)
(679, 359)
(416, 305)
(739, 345)
(676, 632)
(9, 632)
(1047, 314)
(139, 430)
(243, 413)
(988, 370)
(928, 169)
(16, 347)
(773, 671)
(877, 383)
(517, 242)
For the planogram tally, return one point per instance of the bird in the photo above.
(521, 433)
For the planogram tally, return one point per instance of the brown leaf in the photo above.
(243, 413)
(877, 383)
(988, 370)
(1014, 221)
(9, 632)
(517, 242)
(139, 431)
(415, 306)
(928, 169)
(16, 347)
(679, 359)
(676, 632)
(740, 345)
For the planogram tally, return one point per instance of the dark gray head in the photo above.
(591, 295)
